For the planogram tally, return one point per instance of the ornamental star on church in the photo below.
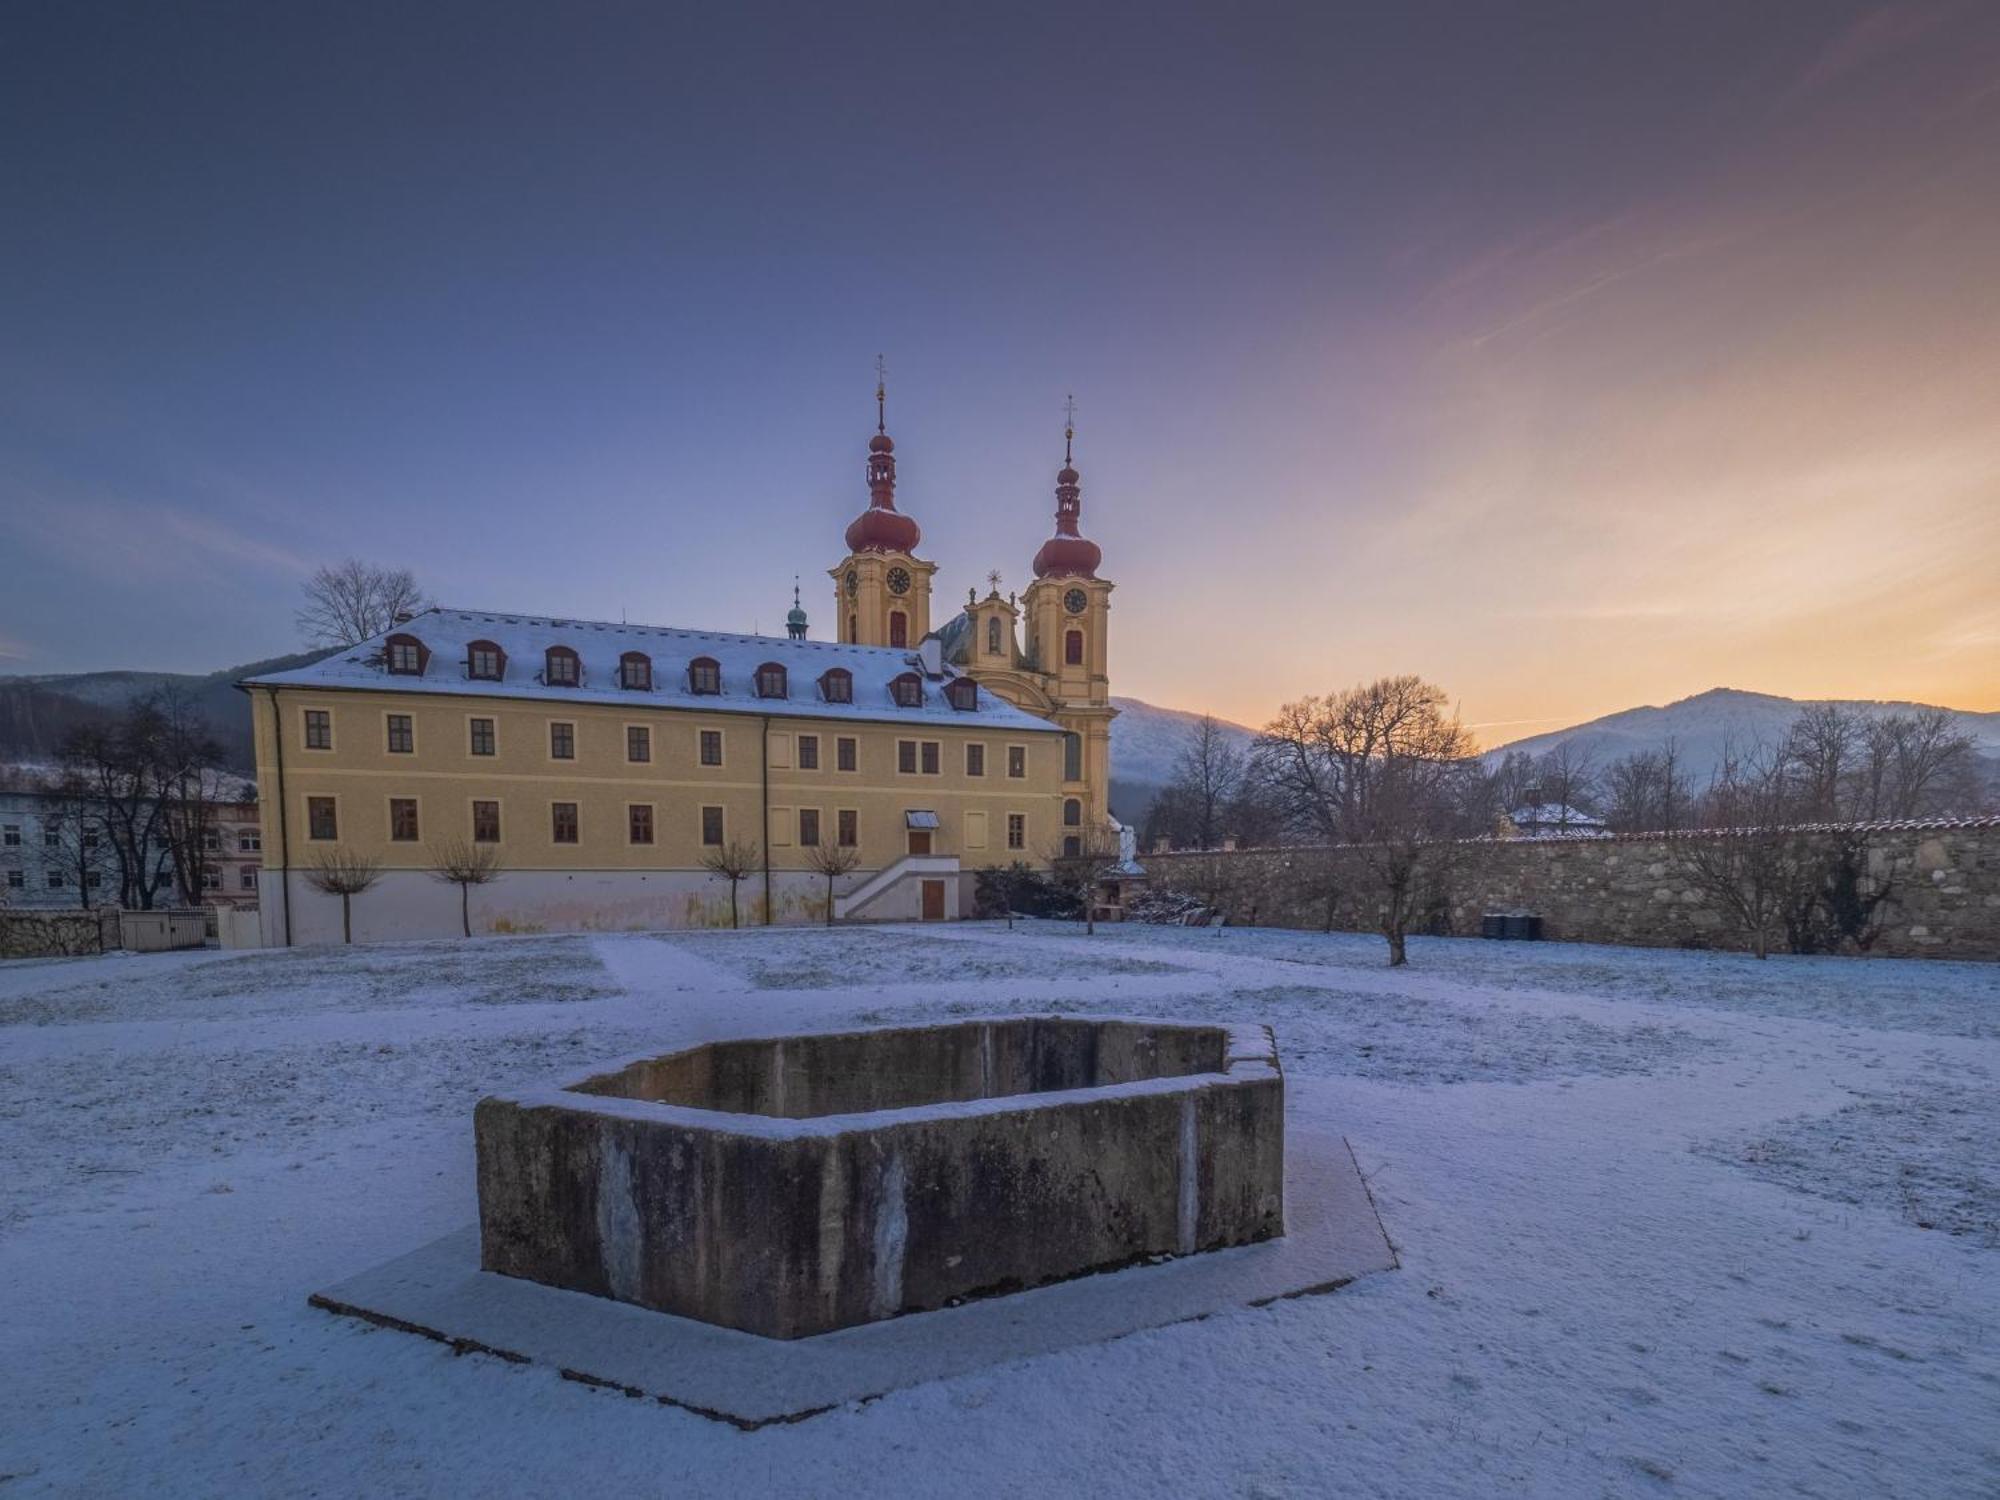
(604, 771)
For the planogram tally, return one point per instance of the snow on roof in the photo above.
(1553, 815)
(448, 633)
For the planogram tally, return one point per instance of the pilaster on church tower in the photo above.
(882, 589)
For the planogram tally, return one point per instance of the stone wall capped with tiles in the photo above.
(1633, 889)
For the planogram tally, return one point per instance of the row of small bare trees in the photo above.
(346, 873)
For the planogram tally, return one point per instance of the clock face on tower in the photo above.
(853, 582)
(1075, 600)
(899, 580)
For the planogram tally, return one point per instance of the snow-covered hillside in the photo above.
(1703, 725)
(1146, 743)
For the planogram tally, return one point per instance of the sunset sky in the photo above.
(1573, 356)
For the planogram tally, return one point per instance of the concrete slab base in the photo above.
(1332, 1236)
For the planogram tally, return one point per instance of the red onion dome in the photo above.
(1067, 557)
(882, 528)
(881, 443)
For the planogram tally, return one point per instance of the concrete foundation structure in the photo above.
(790, 1186)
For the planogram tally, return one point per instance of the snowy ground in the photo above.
(1671, 1224)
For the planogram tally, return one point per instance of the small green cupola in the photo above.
(795, 620)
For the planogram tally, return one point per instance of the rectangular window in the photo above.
(11, 836)
(93, 879)
(848, 824)
(1073, 649)
(639, 822)
(246, 879)
(975, 830)
(975, 760)
(1017, 762)
(250, 841)
(402, 820)
(711, 747)
(485, 822)
(211, 841)
(51, 838)
(808, 827)
(562, 741)
(402, 735)
(320, 821)
(211, 880)
(808, 752)
(933, 757)
(319, 729)
(562, 822)
(1017, 830)
(711, 826)
(1072, 757)
(55, 880)
(482, 737)
(906, 757)
(15, 880)
(846, 753)
(638, 744)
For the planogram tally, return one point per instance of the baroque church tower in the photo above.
(882, 589)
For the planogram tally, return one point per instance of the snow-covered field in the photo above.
(1670, 1223)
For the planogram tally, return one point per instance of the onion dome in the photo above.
(881, 527)
(1068, 554)
(795, 617)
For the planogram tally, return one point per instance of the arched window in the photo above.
(1072, 813)
(771, 681)
(1072, 757)
(561, 668)
(836, 685)
(962, 693)
(899, 628)
(907, 690)
(635, 671)
(704, 675)
(485, 661)
(405, 655)
(853, 634)
(993, 635)
(1073, 648)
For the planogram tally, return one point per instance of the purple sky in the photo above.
(1574, 356)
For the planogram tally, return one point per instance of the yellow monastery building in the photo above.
(600, 764)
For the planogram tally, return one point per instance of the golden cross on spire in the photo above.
(881, 394)
(1069, 424)
(994, 579)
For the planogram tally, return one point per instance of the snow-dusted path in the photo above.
(1659, 1215)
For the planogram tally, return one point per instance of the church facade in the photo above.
(601, 776)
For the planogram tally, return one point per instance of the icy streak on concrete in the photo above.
(832, 1224)
(892, 1235)
(1190, 1204)
(618, 1227)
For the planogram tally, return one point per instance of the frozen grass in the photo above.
(1661, 1217)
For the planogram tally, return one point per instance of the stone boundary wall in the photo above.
(1631, 889)
(32, 933)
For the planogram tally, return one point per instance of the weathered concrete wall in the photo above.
(57, 934)
(787, 1227)
(1634, 889)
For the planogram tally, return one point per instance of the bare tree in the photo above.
(834, 861)
(1646, 791)
(1208, 775)
(1383, 767)
(1078, 862)
(735, 861)
(72, 826)
(1567, 777)
(149, 775)
(457, 862)
(349, 602)
(1758, 875)
(342, 872)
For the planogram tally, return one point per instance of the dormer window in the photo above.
(635, 672)
(771, 680)
(908, 690)
(962, 693)
(704, 675)
(561, 668)
(405, 656)
(836, 685)
(485, 662)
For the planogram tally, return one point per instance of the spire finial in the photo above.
(1069, 425)
(881, 394)
(993, 579)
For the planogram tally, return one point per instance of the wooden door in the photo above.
(933, 900)
(920, 841)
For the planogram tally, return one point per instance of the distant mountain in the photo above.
(1146, 744)
(1704, 725)
(36, 712)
